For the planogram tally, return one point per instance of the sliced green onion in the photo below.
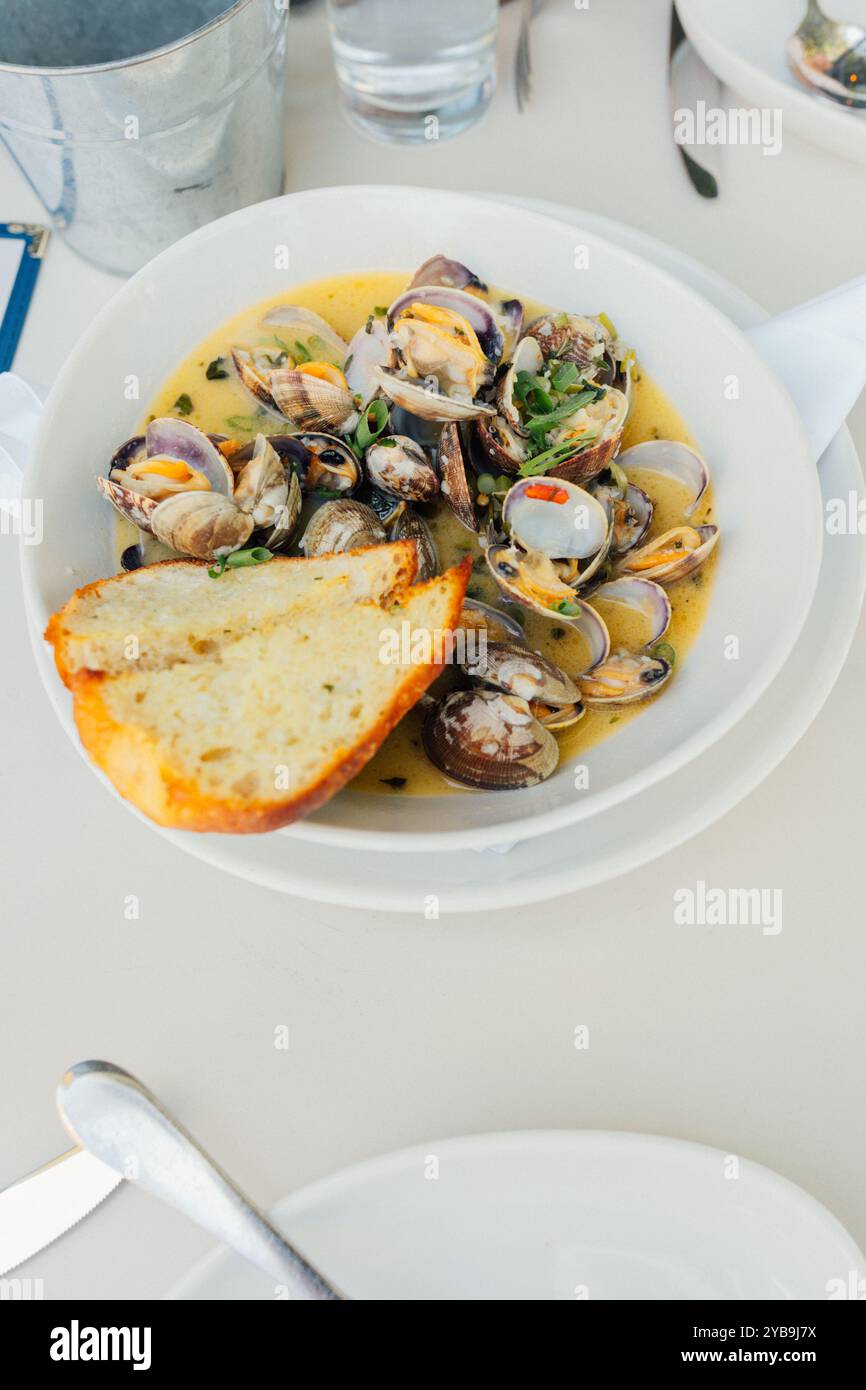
(301, 354)
(486, 482)
(241, 559)
(606, 323)
(373, 422)
(663, 651)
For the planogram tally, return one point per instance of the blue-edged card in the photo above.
(22, 249)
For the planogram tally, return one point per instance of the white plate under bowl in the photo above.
(554, 1214)
(739, 412)
(644, 827)
(743, 42)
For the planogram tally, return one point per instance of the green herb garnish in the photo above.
(663, 651)
(241, 559)
(373, 422)
(398, 783)
(183, 405)
(215, 370)
(301, 354)
(244, 422)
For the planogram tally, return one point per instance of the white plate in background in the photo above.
(743, 42)
(554, 1214)
(764, 582)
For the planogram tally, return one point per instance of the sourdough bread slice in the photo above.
(270, 724)
(174, 611)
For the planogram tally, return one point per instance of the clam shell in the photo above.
(519, 671)
(527, 358)
(557, 518)
(670, 459)
(313, 404)
(623, 678)
(262, 487)
(497, 446)
(571, 338)
(441, 270)
(330, 465)
(341, 525)
(418, 400)
(476, 312)
(481, 617)
(632, 513)
(504, 563)
(641, 596)
(305, 325)
(490, 741)
(180, 440)
(453, 481)
(401, 467)
(202, 524)
(409, 526)
(668, 572)
(583, 466)
(368, 350)
(134, 506)
(254, 378)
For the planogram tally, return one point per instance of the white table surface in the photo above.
(402, 1029)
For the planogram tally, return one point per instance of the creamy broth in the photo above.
(223, 406)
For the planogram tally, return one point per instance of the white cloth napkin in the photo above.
(818, 350)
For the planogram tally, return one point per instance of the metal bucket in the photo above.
(137, 121)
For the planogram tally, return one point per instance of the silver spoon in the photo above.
(829, 56)
(109, 1113)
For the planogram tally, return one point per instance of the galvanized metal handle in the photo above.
(111, 1114)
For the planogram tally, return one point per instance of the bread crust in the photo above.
(58, 634)
(130, 757)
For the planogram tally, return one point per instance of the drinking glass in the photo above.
(414, 70)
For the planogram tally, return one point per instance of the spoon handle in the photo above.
(110, 1113)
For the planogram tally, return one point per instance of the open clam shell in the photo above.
(171, 438)
(329, 464)
(624, 678)
(310, 330)
(602, 422)
(489, 741)
(497, 626)
(539, 588)
(515, 669)
(254, 372)
(368, 351)
(556, 518)
(454, 480)
(527, 358)
(670, 459)
(426, 400)
(632, 512)
(134, 506)
(642, 597)
(442, 270)
(396, 464)
(475, 311)
(572, 338)
(496, 445)
(671, 556)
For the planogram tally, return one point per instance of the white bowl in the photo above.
(767, 494)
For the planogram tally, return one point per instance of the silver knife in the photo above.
(45, 1204)
(690, 81)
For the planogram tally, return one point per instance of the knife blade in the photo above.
(691, 81)
(37, 1209)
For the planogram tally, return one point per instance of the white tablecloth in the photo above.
(403, 1029)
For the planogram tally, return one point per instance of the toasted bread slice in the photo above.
(269, 725)
(174, 611)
